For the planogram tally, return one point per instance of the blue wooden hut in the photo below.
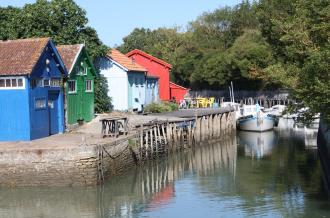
(152, 92)
(126, 81)
(31, 89)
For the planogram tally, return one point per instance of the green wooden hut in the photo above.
(79, 87)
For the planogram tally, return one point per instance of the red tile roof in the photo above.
(142, 53)
(69, 54)
(18, 57)
(125, 61)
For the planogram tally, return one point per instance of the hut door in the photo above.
(80, 92)
(53, 112)
(130, 92)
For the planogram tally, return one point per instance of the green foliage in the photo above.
(218, 47)
(62, 20)
(161, 107)
(102, 100)
(298, 32)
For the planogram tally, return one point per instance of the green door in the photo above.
(80, 93)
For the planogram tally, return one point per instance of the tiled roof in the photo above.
(18, 57)
(69, 54)
(125, 61)
(142, 53)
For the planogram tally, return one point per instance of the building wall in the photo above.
(152, 94)
(80, 105)
(136, 91)
(117, 82)
(156, 69)
(14, 117)
(177, 93)
(40, 118)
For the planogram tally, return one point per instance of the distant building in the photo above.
(160, 69)
(126, 81)
(79, 87)
(31, 91)
(177, 92)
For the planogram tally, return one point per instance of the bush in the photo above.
(161, 107)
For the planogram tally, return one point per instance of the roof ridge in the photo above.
(125, 61)
(25, 39)
(138, 51)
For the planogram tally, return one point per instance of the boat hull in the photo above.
(256, 125)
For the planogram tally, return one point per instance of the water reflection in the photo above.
(257, 144)
(253, 174)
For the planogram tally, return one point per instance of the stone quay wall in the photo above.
(88, 165)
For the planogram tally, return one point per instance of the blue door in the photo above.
(53, 112)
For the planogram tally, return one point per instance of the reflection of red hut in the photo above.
(177, 92)
(163, 197)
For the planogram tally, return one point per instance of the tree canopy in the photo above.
(62, 20)
(264, 44)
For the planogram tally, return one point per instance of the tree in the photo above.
(299, 36)
(62, 20)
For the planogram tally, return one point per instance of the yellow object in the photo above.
(201, 102)
(210, 101)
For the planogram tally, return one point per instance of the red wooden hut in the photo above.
(156, 68)
(159, 68)
(177, 92)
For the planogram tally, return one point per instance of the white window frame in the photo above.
(57, 79)
(43, 82)
(13, 77)
(92, 85)
(75, 85)
(85, 71)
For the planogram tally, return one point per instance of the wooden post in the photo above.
(156, 139)
(151, 142)
(147, 143)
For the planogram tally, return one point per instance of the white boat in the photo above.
(276, 110)
(253, 119)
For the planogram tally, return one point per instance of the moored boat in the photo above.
(253, 119)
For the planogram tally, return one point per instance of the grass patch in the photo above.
(161, 107)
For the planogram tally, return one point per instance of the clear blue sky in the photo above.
(115, 19)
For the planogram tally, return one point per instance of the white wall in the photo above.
(117, 83)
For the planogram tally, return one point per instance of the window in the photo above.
(40, 83)
(77, 70)
(40, 103)
(54, 82)
(89, 85)
(11, 83)
(8, 82)
(85, 71)
(72, 86)
(46, 82)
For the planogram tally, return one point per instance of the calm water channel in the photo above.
(272, 174)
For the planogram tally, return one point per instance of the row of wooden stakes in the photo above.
(164, 137)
